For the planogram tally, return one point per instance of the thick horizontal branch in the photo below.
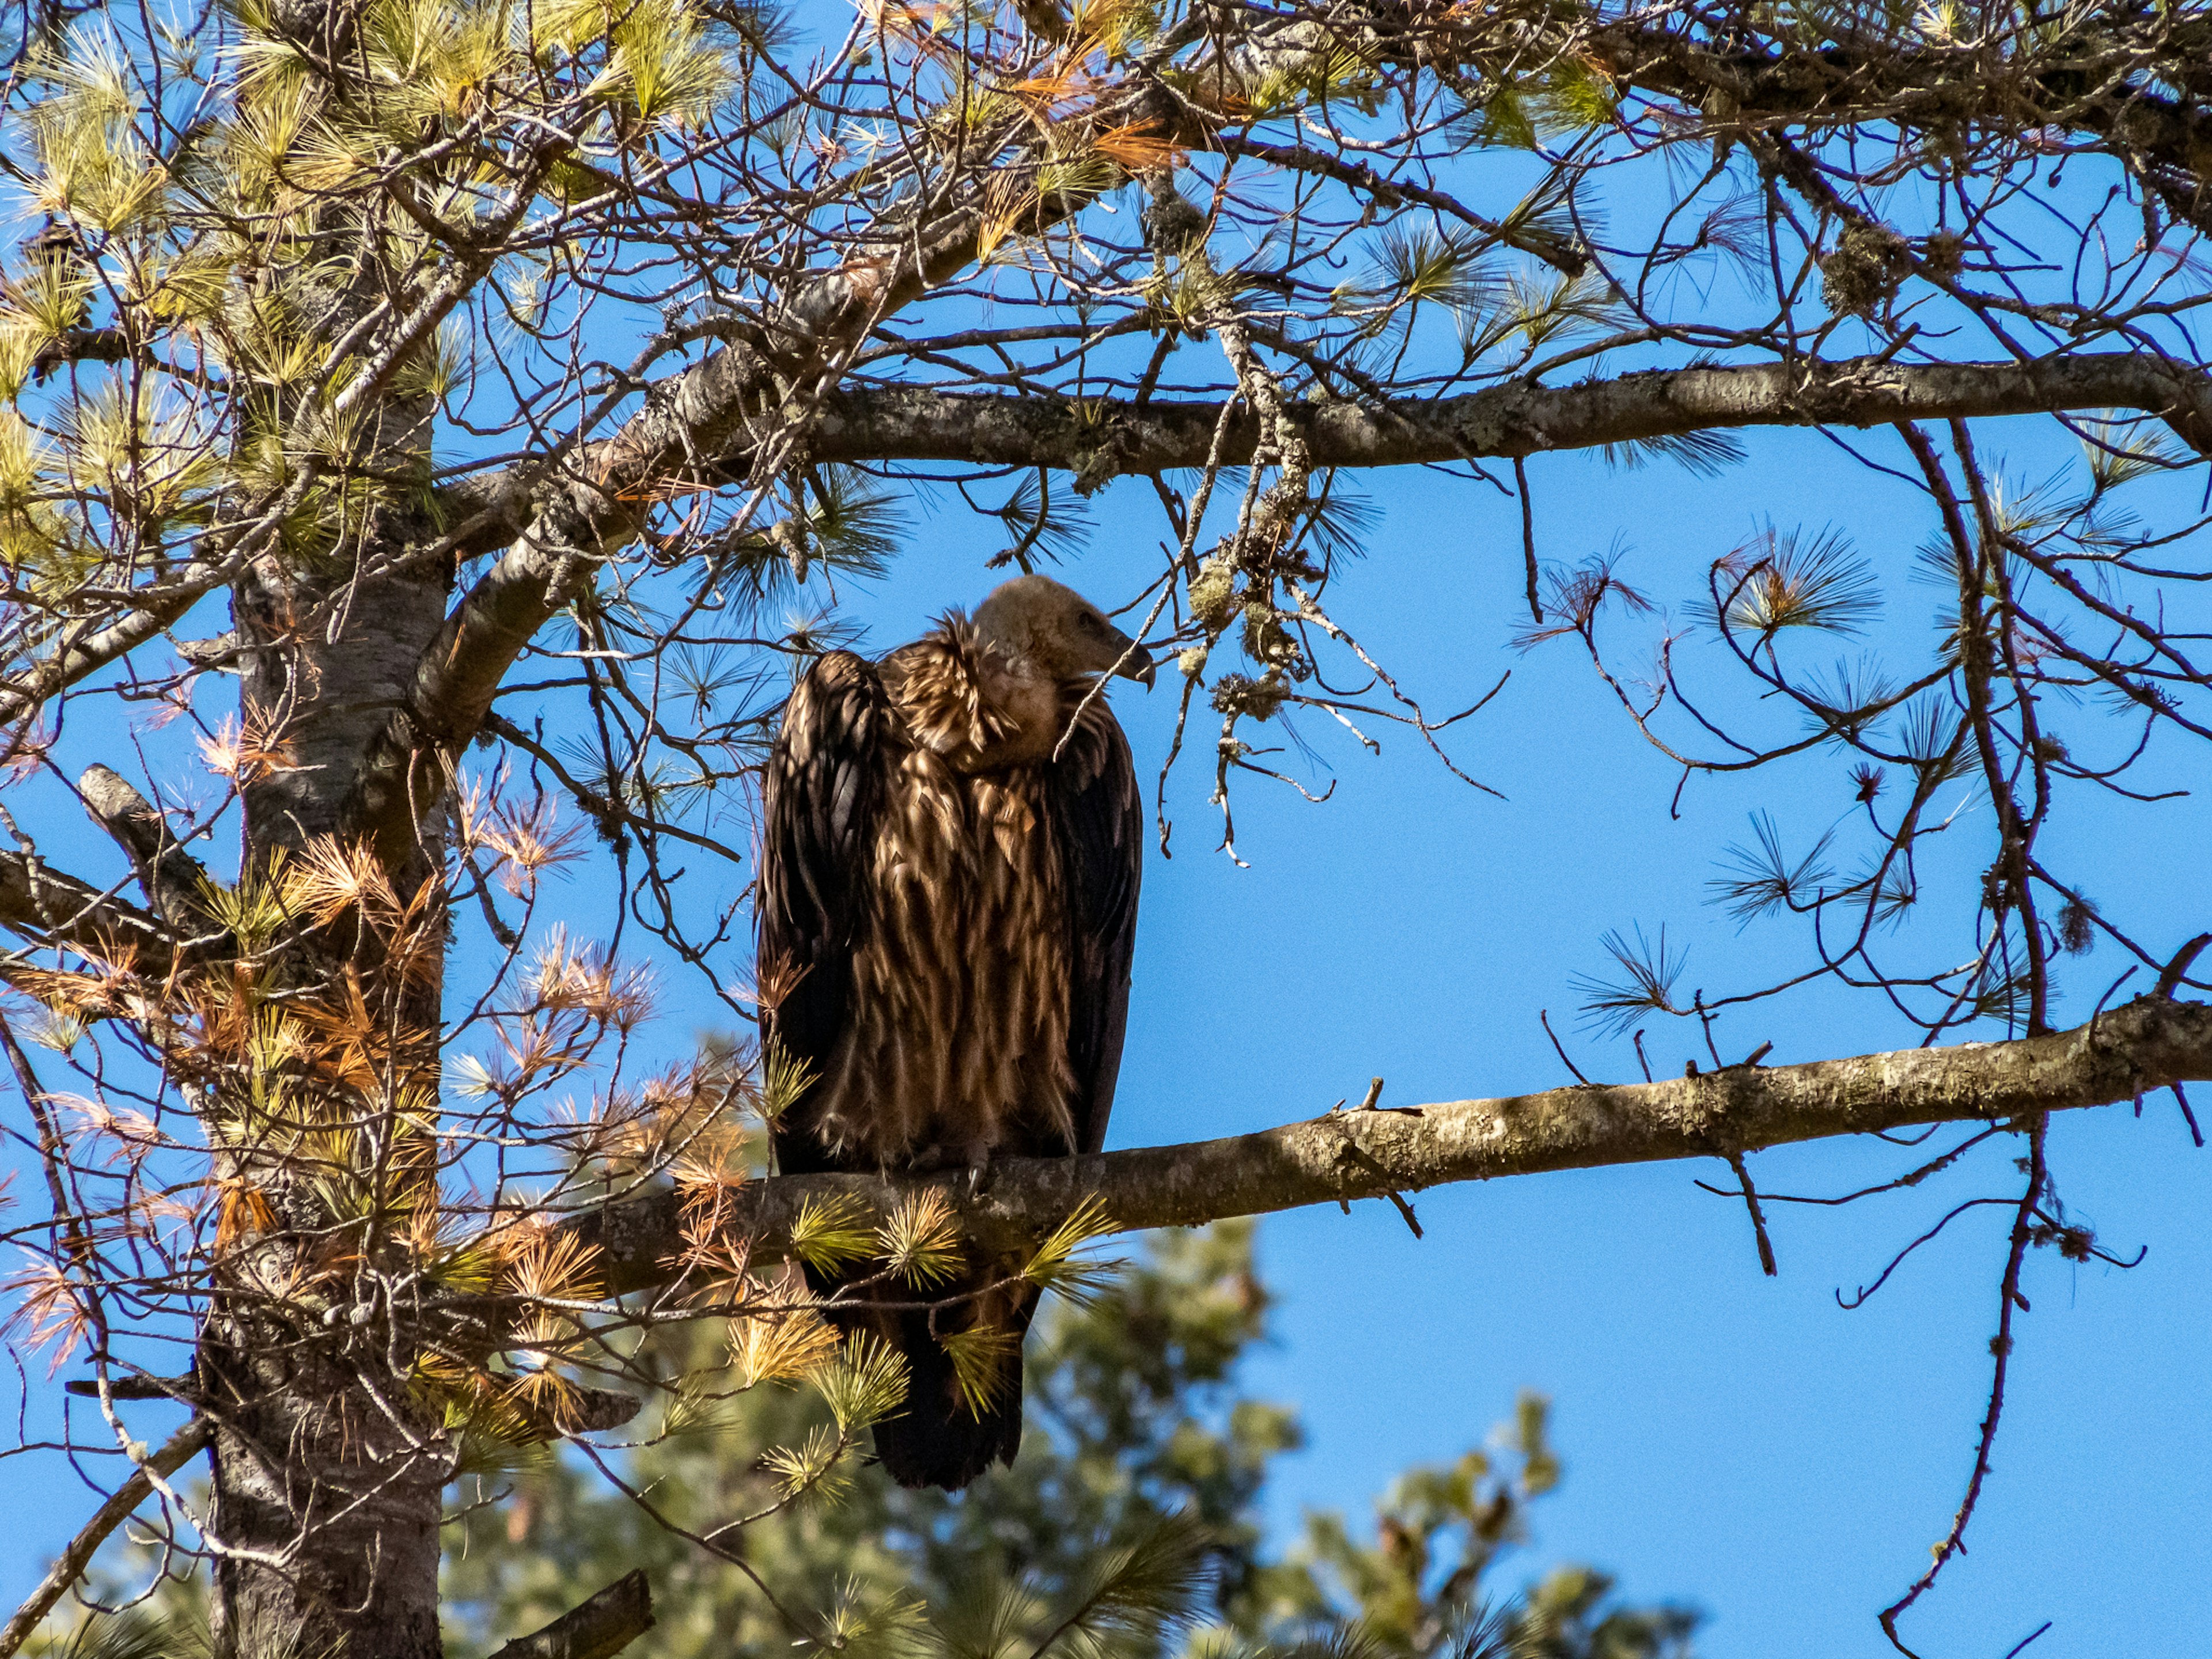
(1102, 438)
(2148, 1044)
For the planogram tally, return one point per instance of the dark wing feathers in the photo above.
(1101, 823)
(825, 786)
(826, 779)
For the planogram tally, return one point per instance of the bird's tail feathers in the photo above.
(952, 1427)
(964, 1400)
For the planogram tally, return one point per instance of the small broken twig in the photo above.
(2188, 1116)
(1758, 1215)
(1545, 1015)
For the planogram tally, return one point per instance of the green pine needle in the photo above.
(1763, 880)
(919, 1240)
(815, 1469)
(784, 1078)
(1784, 579)
(865, 1382)
(1135, 1595)
(979, 1355)
(1055, 1266)
(1648, 970)
(832, 1233)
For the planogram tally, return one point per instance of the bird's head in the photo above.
(1058, 630)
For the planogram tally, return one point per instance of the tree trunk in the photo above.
(328, 1468)
(339, 1502)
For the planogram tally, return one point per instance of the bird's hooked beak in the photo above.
(1136, 662)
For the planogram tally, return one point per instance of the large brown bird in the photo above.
(949, 908)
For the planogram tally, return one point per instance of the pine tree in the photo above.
(431, 431)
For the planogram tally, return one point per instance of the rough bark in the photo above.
(327, 1469)
(333, 1494)
(327, 1473)
(1109, 437)
(1342, 1156)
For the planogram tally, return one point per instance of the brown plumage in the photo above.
(950, 912)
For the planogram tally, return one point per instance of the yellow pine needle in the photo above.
(1106, 25)
(780, 1347)
(920, 1239)
(1056, 1267)
(1008, 196)
(253, 910)
(712, 1165)
(812, 1468)
(333, 877)
(474, 1402)
(979, 1355)
(865, 1382)
(784, 1078)
(866, 1624)
(465, 1266)
(544, 1396)
(556, 1268)
(832, 1233)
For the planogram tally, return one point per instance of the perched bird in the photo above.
(947, 907)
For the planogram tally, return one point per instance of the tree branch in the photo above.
(728, 416)
(1342, 1155)
(2103, 80)
(1114, 437)
(596, 1629)
(178, 1450)
(692, 419)
(172, 878)
(48, 907)
(1107, 437)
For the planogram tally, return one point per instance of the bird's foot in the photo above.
(979, 1173)
(970, 1165)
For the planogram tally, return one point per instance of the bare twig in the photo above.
(178, 1449)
